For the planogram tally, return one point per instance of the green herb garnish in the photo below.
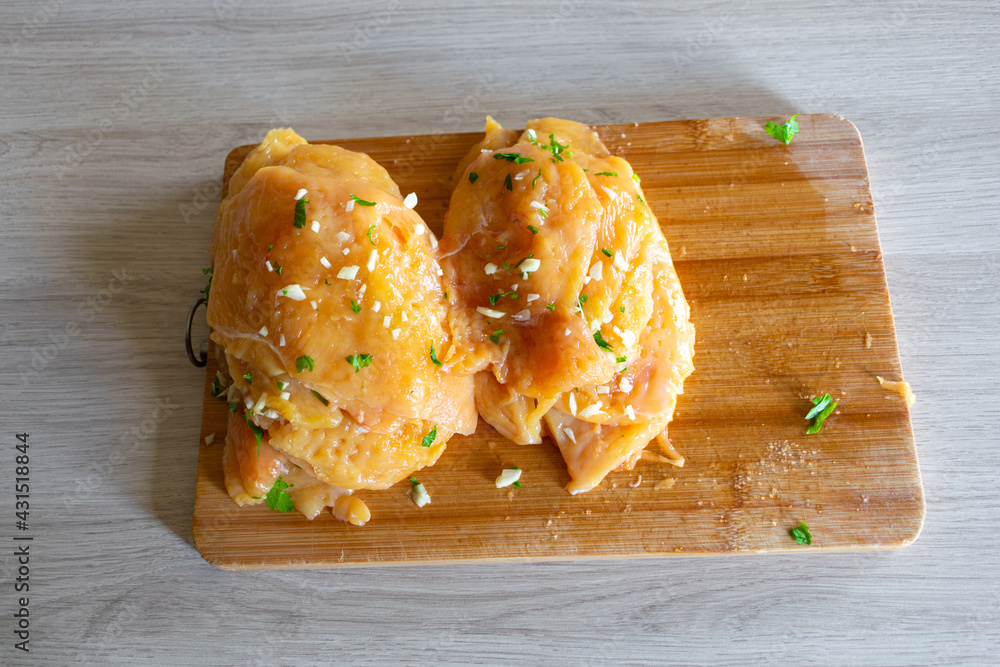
(320, 397)
(621, 360)
(277, 268)
(801, 534)
(823, 407)
(507, 183)
(516, 158)
(606, 252)
(270, 246)
(605, 173)
(355, 306)
(785, 132)
(361, 201)
(532, 229)
(434, 358)
(535, 179)
(473, 177)
(524, 259)
(493, 298)
(258, 432)
(429, 438)
(304, 362)
(300, 213)
(370, 239)
(233, 407)
(277, 498)
(249, 378)
(359, 361)
(558, 150)
(495, 336)
(207, 271)
(583, 300)
(601, 343)
(551, 306)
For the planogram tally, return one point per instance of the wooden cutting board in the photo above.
(778, 253)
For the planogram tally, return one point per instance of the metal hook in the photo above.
(202, 359)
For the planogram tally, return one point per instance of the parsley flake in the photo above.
(430, 437)
(823, 407)
(473, 177)
(249, 378)
(277, 498)
(370, 239)
(551, 306)
(583, 300)
(361, 201)
(359, 361)
(270, 246)
(557, 149)
(516, 158)
(621, 360)
(784, 132)
(278, 267)
(605, 173)
(801, 534)
(355, 306)
(320, 397)
(207, 271)
(258, 432)
(532, 229)
(304, 362)
(233, 407)
(434, 358)
(300, 213)
(601, 343)
(535, 179)
(495, 336)
(507, 183)
(606, 252)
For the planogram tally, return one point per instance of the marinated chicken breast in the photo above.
(327, 299)
(574, 318)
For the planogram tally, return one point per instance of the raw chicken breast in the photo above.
(575, 321)
(328, 301)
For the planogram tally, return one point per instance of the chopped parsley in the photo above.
(516, 158)
(434, 358)
(801, 534)
(304, 362)
(270, 246)
(620, 360)
(277, 498)
(258, 432)
(355, 306)
(823, 407)
(495, 336)
(621, 309)
(277, 267)
(639, 197)
(557, 149)
(784, 132)
(583, 300)
(550, 306)
(605, 173)
(493, 298)
(535, 179)
(361, 201)
(217, 387)
(635, 177)
(249, 378)
(503, 247)
(601, 343)
(430, 437)
(606, 252)
(300, 213)
(320, 397)
(359, 361)
(507, 183)
(370, 239)
(207, 271)
(233, 407)
(473, 177)
(207, 289)
(532, 229)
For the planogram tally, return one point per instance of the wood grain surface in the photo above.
(777, 249)
(115, 119)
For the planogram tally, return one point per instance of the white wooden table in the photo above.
(114, 122)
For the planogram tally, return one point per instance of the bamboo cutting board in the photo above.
(778, 253)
